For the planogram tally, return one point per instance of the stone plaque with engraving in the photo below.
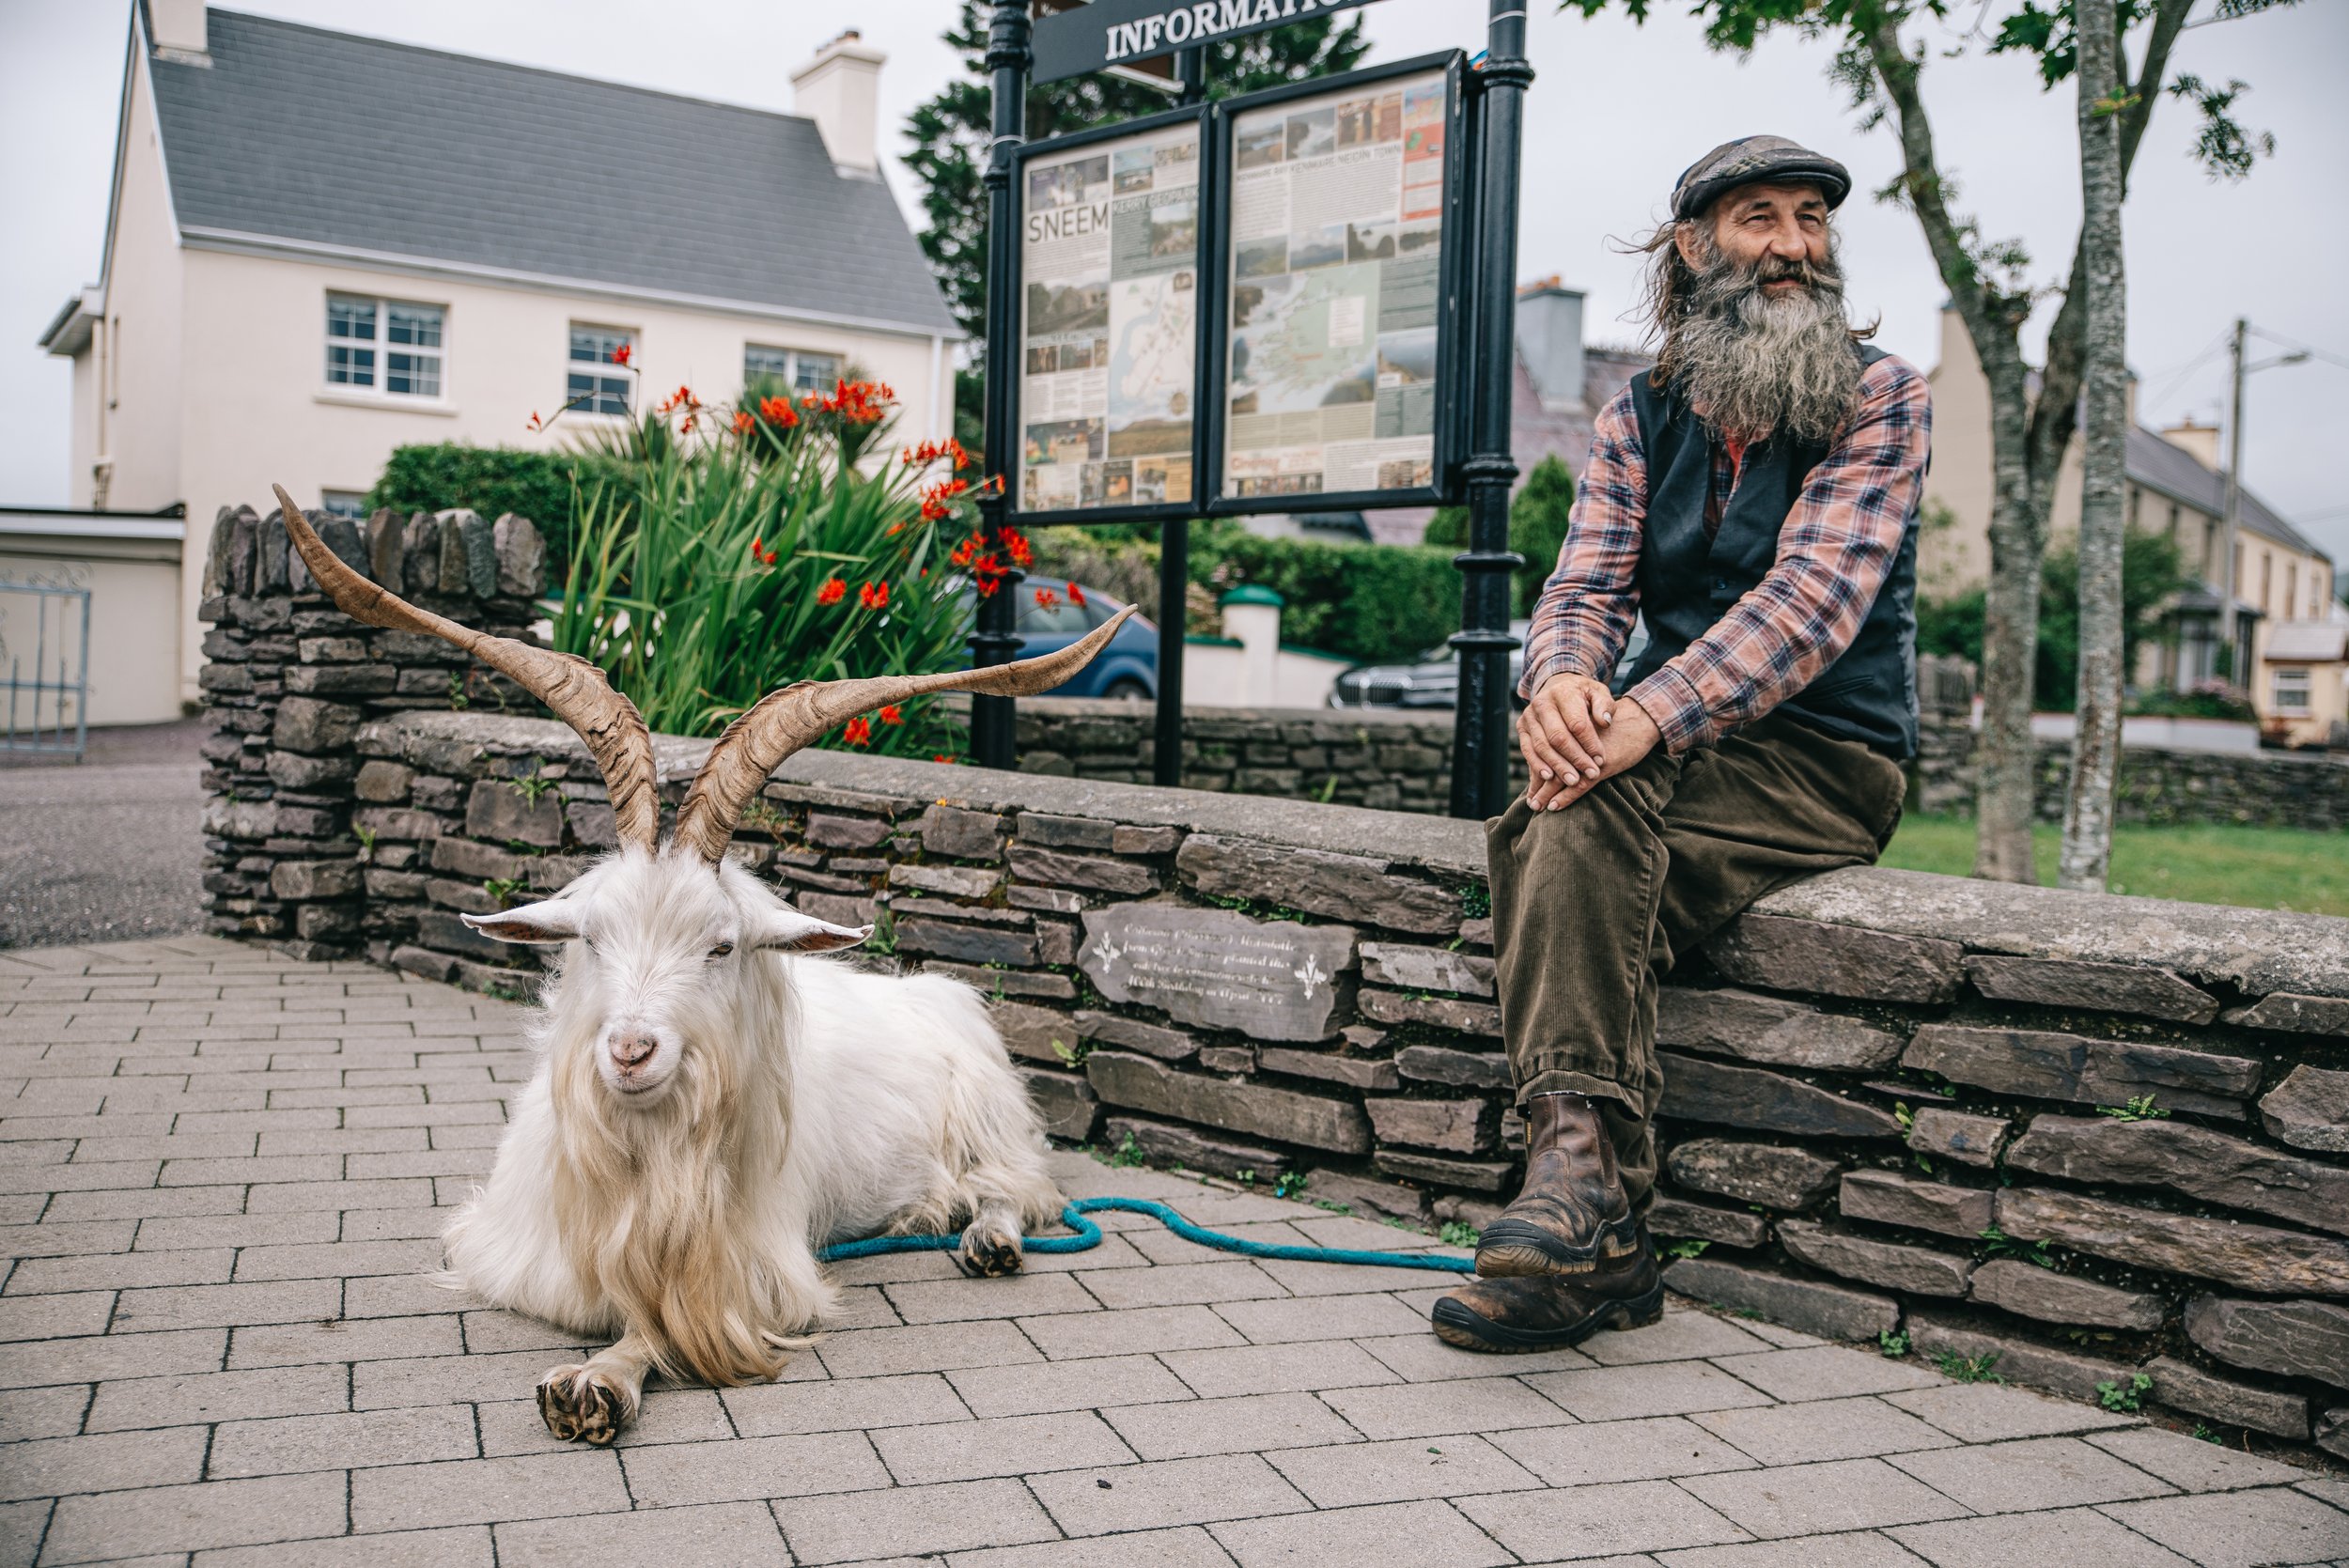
(1271, 979)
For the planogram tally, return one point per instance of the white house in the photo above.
(321, 246)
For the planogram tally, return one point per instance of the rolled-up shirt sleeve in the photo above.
(1837, 548)
(1589, 601)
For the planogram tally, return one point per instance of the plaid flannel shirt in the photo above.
(1834, 552)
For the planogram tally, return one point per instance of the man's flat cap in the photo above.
(1752, 160)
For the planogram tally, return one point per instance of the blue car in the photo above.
(1128, 669)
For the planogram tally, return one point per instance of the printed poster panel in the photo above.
(1109, 323)
(1337, 222)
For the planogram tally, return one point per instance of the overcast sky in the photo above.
(1615, 114)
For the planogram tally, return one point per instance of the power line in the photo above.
(2309, 349)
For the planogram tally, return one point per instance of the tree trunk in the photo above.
(2096, 739)
(2006, 759)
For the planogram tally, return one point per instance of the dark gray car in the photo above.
(1435, 680)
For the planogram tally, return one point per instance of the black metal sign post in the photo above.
(1480, 725)
(993, 722)
(1402, 352)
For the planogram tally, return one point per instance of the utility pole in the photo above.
(2235, 517)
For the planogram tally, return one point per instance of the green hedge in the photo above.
(491, 480)
(1370, 602)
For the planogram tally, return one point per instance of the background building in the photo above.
(2290, 631)
(320, 246)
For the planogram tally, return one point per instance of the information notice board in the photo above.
(1245, 307)
(1336, 289)
(1109, 317)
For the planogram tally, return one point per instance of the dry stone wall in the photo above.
(2070, 1139)
(289, 679)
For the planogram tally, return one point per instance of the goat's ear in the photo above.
(789, 931)
(554, 919)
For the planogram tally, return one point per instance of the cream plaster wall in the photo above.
(135, 618)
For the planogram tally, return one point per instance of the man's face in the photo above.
(1778, 231)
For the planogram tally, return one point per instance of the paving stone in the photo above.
(1479, 1405)
(290, 1444)
(483, 1491)
(1139, 1330)
(1827, 1372)
(1179, 1284)
(186, 1518)
(1596, 1453)
(747, 1469)
(219, 1306)
(2191, 1464)
(1348, 1475)
(925, 1347)
(916, 1520)
(1396, 1535)
(960, 1299)
(1814, 1499)
(1422, 1357)
(1682, 1336)
(217, 1396)
(2077, 1535)
(1592, 1521)
(1820, 1430)
(1185, 1546)
(669, 1415)
(1078, 1385)
(2034, 1473)
(2241, 1529)
(1988, 1413)
(48, 1317)
(1004, 1445)
(1168, 1492)
(1624, 1393)
(1291, 1321)
(104, 1463)
(1852, 1549)
(708, 1537)
(459, 1547)
(1241, 1424)
(27, 1413)
(1277, 1369)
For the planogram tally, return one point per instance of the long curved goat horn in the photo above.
(575, 689)
(785, 720)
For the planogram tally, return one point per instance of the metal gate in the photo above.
(44, 649)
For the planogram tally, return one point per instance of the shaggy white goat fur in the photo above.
(788, 1100)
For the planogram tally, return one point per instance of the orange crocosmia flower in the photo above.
(742, 422)
(1076, 595)
(942, 756)
(621, 354)
(1046, 599)
(889, 715)
(536, 423)
(778, 411)
(874, 596)
(858, 732)
(832, 592)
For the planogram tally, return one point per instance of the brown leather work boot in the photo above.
(1549, 1313)
(1572, 1211)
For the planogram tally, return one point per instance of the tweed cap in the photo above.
(1750, 160)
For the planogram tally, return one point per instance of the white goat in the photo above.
(713, 1103)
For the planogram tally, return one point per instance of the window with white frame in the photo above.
(2290, 690)
(601, 379)
(801, 370)
(392, 347)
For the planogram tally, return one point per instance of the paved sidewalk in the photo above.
(225, 1170)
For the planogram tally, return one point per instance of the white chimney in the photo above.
(1252, 618)
(840, 90)
(1549, 341)
(180, 30)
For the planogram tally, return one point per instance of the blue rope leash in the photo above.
(1088, 1235)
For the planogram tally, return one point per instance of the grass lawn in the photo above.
(2266, 869)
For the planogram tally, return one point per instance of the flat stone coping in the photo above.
(2260, 950)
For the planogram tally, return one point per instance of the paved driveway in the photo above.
(224, 1171)
(109, 847)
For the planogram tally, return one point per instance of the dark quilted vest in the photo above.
(1687, 581)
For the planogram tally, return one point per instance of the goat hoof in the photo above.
(988, 1254)
(576, 1405)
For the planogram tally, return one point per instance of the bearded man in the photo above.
(1754, 497)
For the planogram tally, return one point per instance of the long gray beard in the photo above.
(1752, 364)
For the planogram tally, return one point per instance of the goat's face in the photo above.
(659, 966)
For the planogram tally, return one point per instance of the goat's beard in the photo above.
(1752, 363)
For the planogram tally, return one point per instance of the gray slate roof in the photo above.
(2175, 472)
(299, 133)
